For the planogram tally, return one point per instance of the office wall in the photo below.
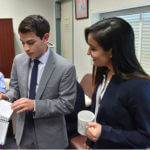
(19, 9)
(83, 62)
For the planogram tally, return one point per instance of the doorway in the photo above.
(64, 30)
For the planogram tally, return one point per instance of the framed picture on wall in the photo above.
(81, 9)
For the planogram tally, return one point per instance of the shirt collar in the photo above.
(43, 58)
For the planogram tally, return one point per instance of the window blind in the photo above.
(145, 45)
(134, 21)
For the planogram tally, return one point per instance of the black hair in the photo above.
(118, 35)
(34, 23)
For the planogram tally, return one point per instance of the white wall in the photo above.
(66, 29)
(83, 62)
(19, 9)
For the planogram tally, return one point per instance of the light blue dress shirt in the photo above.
(41, 66)
(2, 83)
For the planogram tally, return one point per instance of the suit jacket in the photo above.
(55, 97)
(124, 114)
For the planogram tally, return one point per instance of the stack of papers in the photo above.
(5, 114)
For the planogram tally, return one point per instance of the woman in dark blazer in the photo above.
(121, 99)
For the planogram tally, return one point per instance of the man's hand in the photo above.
(94, 131)
(23, 104)
(3, 96)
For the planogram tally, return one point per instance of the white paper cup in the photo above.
(84, 117)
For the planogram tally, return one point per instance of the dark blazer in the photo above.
(71, 119)
(124, 114)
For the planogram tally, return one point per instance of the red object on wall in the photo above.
(7, 51)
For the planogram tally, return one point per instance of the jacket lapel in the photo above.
(26, 74)
(49, 68)
(94, 99)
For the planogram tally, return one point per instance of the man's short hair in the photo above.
(34, 23)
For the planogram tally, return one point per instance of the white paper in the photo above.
(5, 109)
(3, 131)
(5, 114)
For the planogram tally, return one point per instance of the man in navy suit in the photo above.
(71, 119)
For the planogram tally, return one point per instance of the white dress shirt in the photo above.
(100, 93)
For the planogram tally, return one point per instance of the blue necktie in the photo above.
(33, 81)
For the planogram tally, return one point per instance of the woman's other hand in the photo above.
(86, 147)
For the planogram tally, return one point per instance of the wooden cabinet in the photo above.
(7, 51)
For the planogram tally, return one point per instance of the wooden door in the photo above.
(7, 51)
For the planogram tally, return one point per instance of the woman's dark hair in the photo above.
(117, 34)
(36, 24)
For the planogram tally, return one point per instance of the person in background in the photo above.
(71, 119)
(121, 100)
(2, 84)
(10, 140)
(42, 89)
(2, 87)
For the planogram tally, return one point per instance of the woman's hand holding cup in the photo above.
(94, 131)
